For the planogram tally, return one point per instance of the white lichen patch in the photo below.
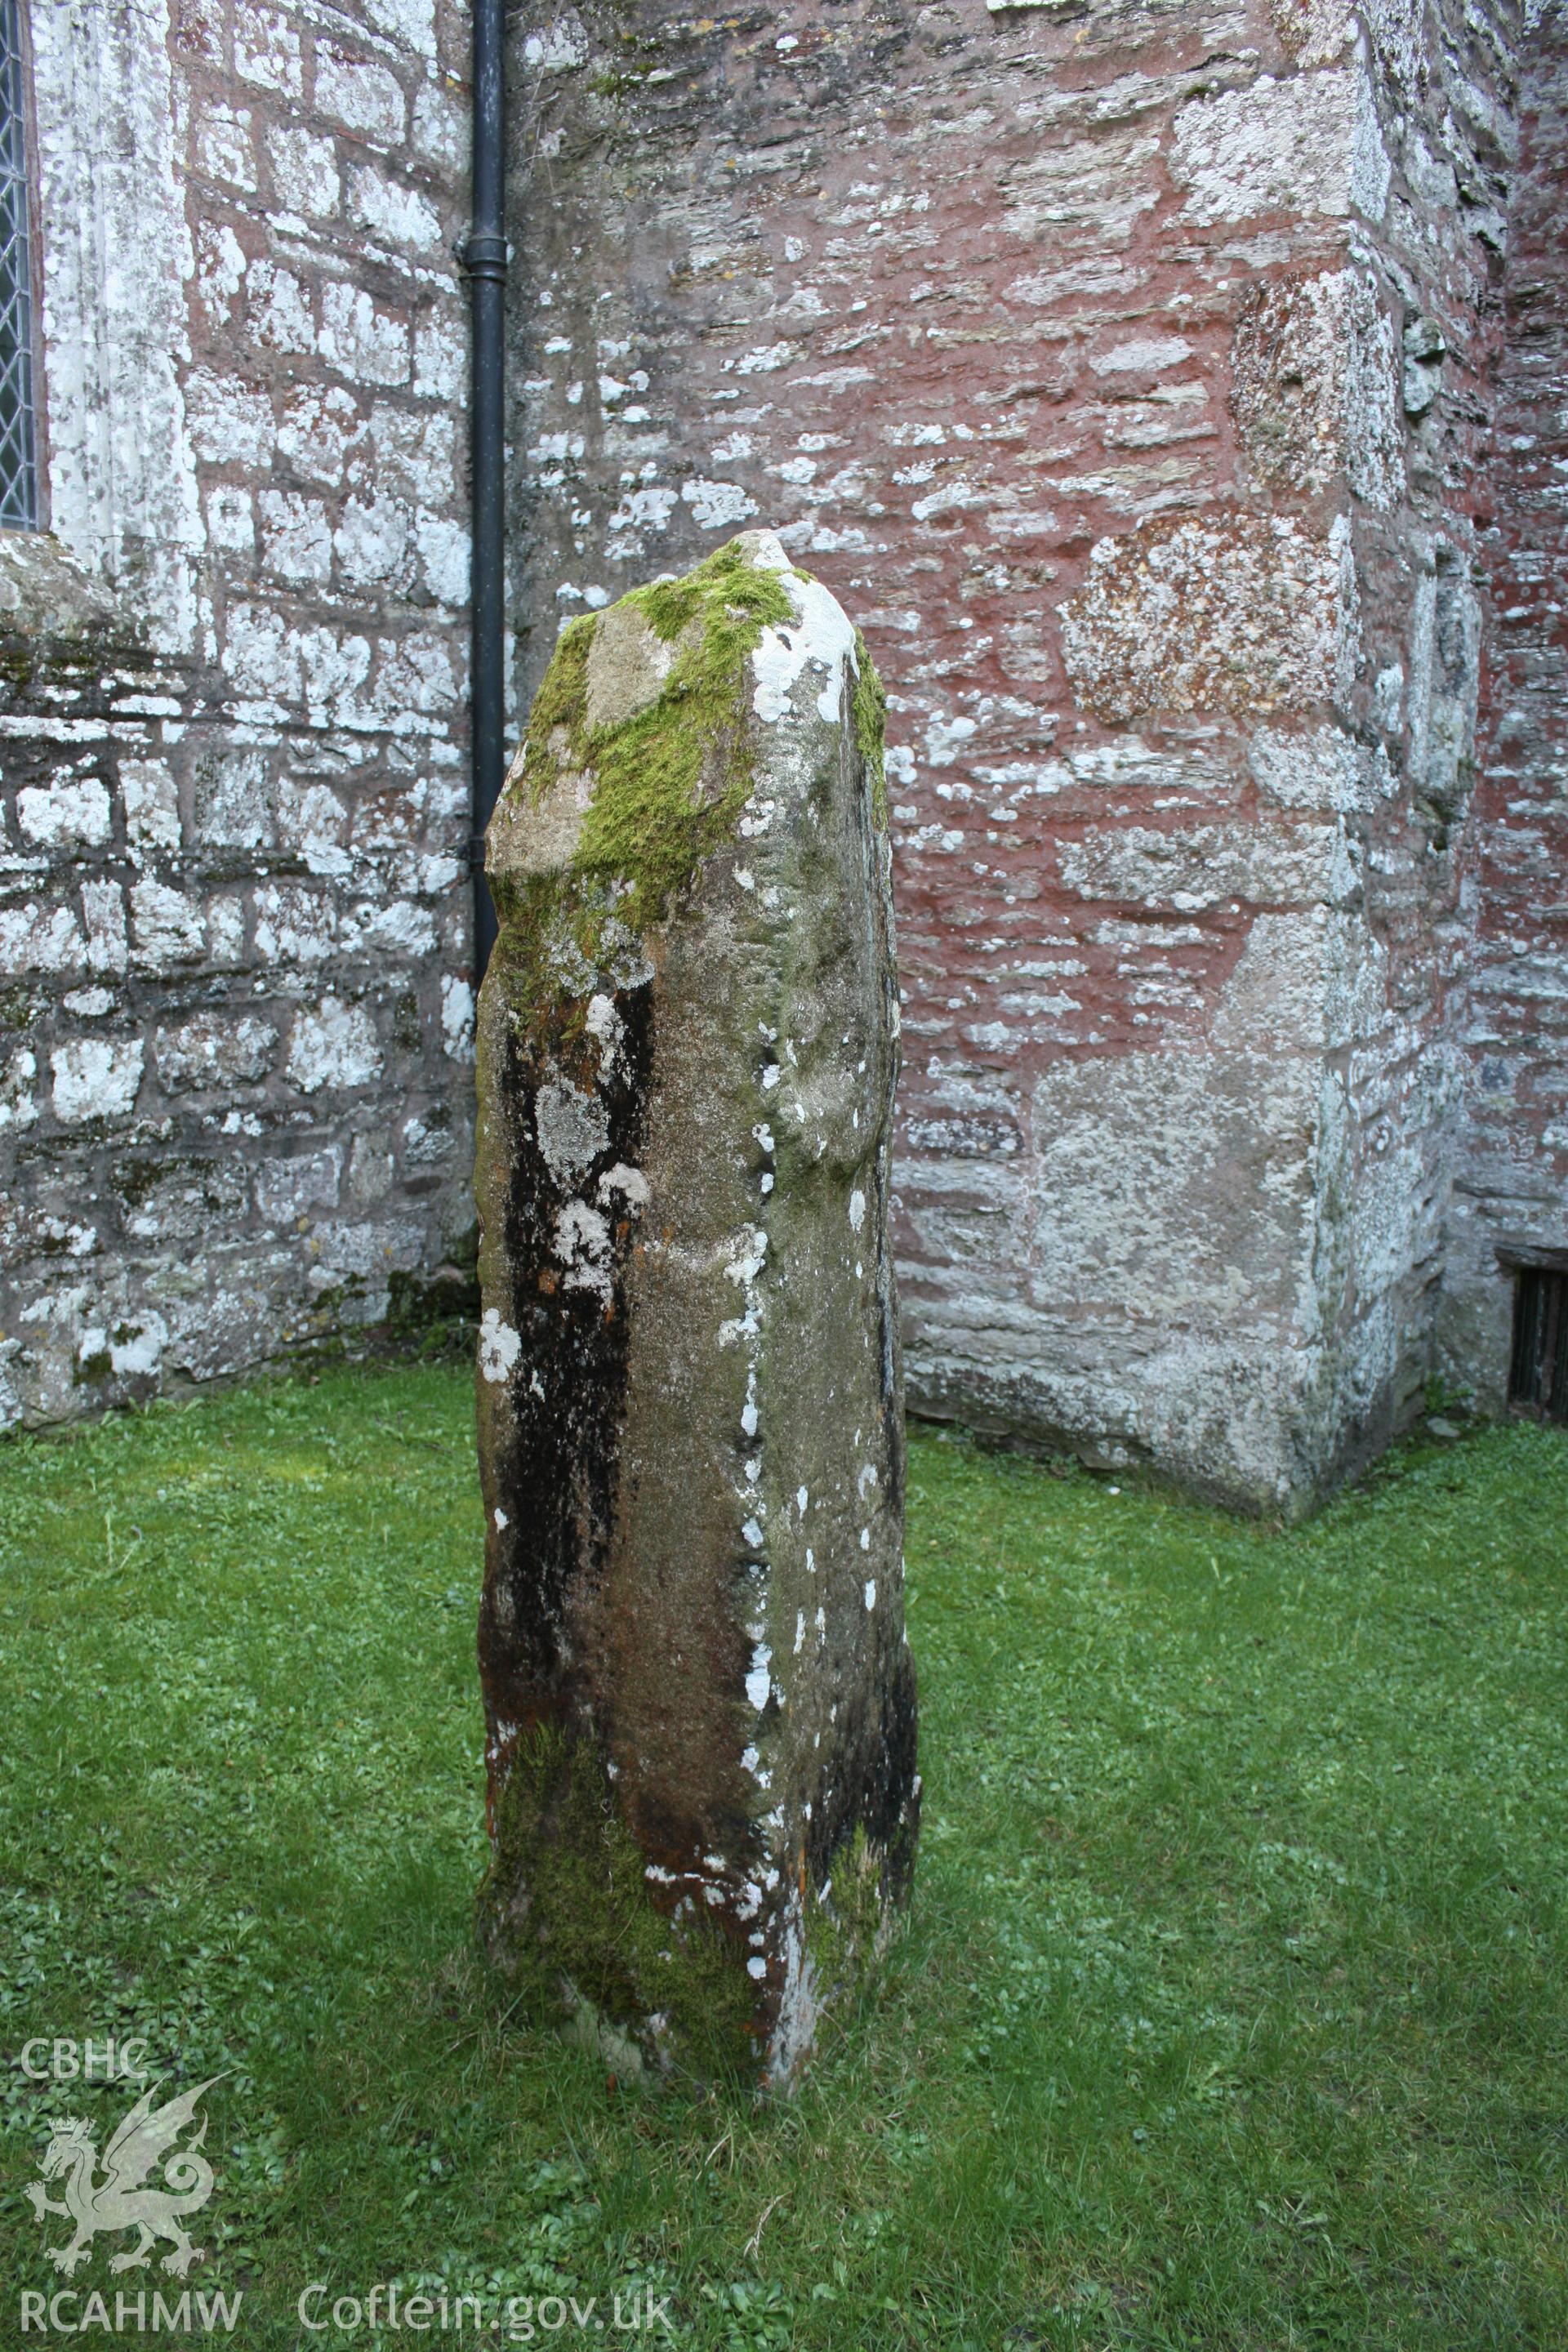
(500, 1346)
(603, 1021)
(822, 641)
(457, 1017)
(714, 504)
(1192, 867)
(1323, 770)
(582, 1247)
(334, 1045)
(65, 814)
(750, 1250)
(572, 1128)
(132, 1349)
(1279, 146)
(1314, 31)
(630, 1184)
(96, 1078)
(559, 48)
(796, 2029)
(19, 1104)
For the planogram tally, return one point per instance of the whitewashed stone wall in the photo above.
(234, 897)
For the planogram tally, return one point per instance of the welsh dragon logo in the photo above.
(119, 2200)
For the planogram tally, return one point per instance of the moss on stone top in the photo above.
(670, 777)
(670, 780)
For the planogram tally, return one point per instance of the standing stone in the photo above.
(701, 1703)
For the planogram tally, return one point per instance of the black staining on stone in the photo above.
(872, 1784)
(557, 1462)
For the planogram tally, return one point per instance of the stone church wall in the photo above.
(234, 905)
(1120, 366)
(1512, 1192)
(1127, 370)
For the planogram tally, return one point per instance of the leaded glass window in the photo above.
(18, 470)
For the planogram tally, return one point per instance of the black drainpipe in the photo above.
(484, 258)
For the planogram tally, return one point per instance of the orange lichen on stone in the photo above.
(1314, 31)
(1239, 613)
(1314, 387)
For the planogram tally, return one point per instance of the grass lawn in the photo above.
(1230, 2013)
